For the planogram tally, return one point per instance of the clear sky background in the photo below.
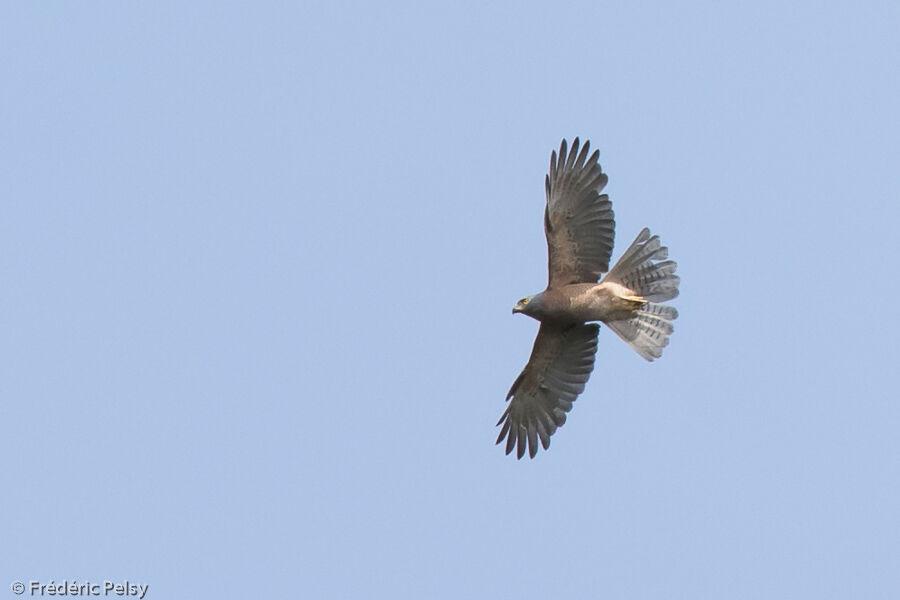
(258, 261)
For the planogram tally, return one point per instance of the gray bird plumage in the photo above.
(580, 227)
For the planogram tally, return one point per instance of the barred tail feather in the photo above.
(643, 268)
(648, 330)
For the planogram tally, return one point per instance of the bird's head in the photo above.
(528, 305)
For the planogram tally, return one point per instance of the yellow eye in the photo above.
(523, 301)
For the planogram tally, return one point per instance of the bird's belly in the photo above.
(604, 302)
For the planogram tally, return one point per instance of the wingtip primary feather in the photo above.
(532, 440)
(510, 442)
(581, 161)
(520, 443)
(573, 153)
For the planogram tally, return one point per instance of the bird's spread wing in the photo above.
(578, 220)
(560, 365)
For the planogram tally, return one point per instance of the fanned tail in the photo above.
(644, 270)
(649, 330)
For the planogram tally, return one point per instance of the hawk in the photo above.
(580, 226)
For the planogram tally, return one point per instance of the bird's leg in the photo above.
(635, 301)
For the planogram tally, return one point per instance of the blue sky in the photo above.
(258, 262)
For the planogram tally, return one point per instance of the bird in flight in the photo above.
(580, 226)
